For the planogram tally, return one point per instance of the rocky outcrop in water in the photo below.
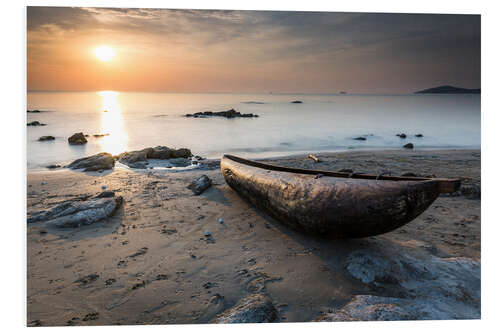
(46, 138)
(226, 114)
(256, 308)
(139, 158)
(77, 139)
(36, 123)
(296, 102)
(76, 213)
(408, 146)
(101, 161)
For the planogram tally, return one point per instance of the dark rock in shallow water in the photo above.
(53, 166)
(200, 185)
(36, 123)
(296, 102)
(419, 135)
(101, 161)
(227, 114)
(139, 158)
(77, 139)
(360, 138)
(77, 213)
(256, 308)
(33, 111)
(100, 135)
(46, 138)
(402, 135)
(408, 146)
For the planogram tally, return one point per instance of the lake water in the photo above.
(321, 123)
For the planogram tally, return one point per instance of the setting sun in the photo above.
(104, 53)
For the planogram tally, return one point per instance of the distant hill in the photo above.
(449, 90)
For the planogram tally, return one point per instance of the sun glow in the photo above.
(104, 53)
(112, 123)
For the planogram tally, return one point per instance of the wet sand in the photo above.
(151, 263)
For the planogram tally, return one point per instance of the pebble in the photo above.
(104, 187)
(220, 220)
(44, 182)
(207, 233)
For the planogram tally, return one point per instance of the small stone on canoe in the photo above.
(408, 146)
(46, 138)
(77, 139)
(77, 213)
(36, 123)
(256, 308)
(200, 185)
(101, 161)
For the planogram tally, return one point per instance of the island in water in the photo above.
(448, 90)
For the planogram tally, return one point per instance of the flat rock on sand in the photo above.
(428, 287)
(200, 185)
(256, 308)
(74, 214)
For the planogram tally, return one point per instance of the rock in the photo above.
(402, 135)
(296, 102)
(360, 138)
(33, 111)
(221, 221)
(471, 191)
(200, 185)
(46, 138)
(408, 146)
(53, 166)
(101, 161)
(75, 214)
(208, 233)
(36, 123)
(139, 158)
(226, 114)
(77, 139)
(256, 308)
(428, 287)
(419, 135)
(106, 194)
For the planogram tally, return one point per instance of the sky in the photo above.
(250, 51)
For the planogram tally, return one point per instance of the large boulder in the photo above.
(77, 139)
(75, 214)
(101, 161)
(256, 308)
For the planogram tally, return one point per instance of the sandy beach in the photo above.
(150, 263)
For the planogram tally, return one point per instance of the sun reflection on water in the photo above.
(112, 123)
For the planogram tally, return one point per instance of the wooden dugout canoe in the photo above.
(333, 204)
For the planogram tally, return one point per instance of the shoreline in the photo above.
(292, 155)
(150, 263)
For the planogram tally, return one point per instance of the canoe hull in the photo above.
(331, 207)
